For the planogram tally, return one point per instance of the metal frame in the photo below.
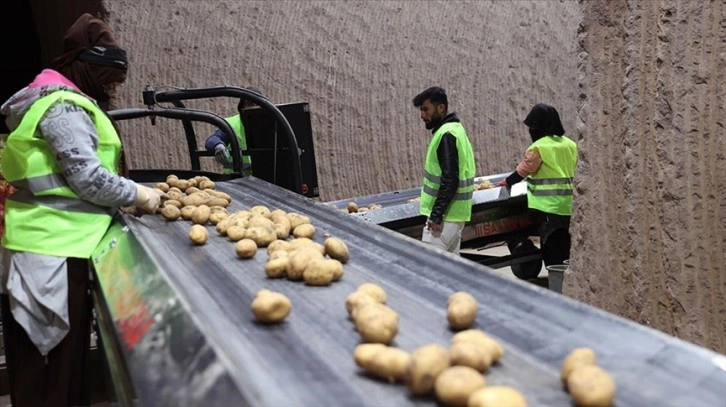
(152, 97)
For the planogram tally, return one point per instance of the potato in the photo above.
(426, 363)
(461, 310)
(276, 268)
(281, 230)
(261, 235)
(162, 186)
(304, 230)
(236, 233)
(337, 268)
(217, 208)
(196, 199)
(357, 298)
(245, 249)
(577, 357)
(318, 272)
(277, 245)
(206, 185)
(278, 254)
(198, 234)
(186, 212)
(260, 210)
(299, 260)
(192, 190)
(383, 361)
(182, 184)
(591, 386)
(173, 202)
(374, 290)
(175, 189)
(471, 354)
(259, 221)
(219, 194)
(479, 336)
(270, 307)
(455, 384)
(336, 249)
(362, 210)
(224, 224)
(200, 215)
(376, 323)
(216, 217)
(170, 212)
(277, 214)
(297, 219)
(215, 201)
(373, 207)
(171, 180)
(352, 207)
(306, 242)
(496, 396)
(175, 196)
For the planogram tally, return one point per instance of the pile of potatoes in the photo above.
(486, 184)
(353, 207)
(589, 385)
(455, 374)
(196, 200)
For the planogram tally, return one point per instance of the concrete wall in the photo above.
(649, 223)
(358, 64)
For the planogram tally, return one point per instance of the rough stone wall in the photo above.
(649, 222)
(358, 64)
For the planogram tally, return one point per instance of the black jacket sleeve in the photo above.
(448, 156)
(513, 178)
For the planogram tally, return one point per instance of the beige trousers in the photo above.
(448, 238)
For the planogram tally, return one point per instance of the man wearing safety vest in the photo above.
(448, 181)
(62, 157)
(221, 144)
(549, 167)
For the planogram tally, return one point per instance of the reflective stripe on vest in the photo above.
(550, 188)
(459, 209)
(45, 215)
(239, 130)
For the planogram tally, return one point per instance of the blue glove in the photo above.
(222, 156)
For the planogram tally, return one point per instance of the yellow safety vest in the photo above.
(44, 215)
(460, 208)
(550, 188)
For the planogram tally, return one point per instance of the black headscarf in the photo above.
(91, 57)
(543, 120)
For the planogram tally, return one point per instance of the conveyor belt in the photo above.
(188, 337)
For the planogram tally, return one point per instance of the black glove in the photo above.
(222, 156)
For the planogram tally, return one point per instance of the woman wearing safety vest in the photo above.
(448, 182)
(61, 156)
(220, 143)
(549, 166)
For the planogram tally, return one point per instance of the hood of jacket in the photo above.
(48, 81)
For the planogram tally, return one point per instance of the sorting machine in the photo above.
(175, 324)
(499, 215)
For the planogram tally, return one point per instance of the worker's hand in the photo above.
(433, 226)
(148, 199)
(502, 183)
(221, 154)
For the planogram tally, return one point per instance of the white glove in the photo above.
(148, 199)
(221, 154)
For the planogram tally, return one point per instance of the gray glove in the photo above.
(222, 155)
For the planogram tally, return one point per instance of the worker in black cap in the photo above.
(549, 167)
